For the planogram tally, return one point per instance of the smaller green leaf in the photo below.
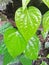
(32, 48)
(46, 2)
(14, 41)
(25, 61)
(25, 3)
(46, 22)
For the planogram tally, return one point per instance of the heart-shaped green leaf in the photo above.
(46, 2)
(46, 22)
(32, 48)
(14, 41)
(28, 21)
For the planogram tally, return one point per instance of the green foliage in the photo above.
(2, 47)
(28, 21)
(44, 34)
(7, 58)
(46, 2)
(48, 56)
(14, 41)
(43, 63)
(46, 21)
(4, 26)
(32, 48)
(45, 24)
(24, 39)
(15, 60)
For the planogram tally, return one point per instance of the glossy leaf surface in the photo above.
(14, 41)
(46, 2)
(32, 48)
(28, 21)
(46, 22)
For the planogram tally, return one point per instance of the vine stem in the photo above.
(25, 3)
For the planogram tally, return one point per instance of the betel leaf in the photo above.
(25, 3)
(32, 48)
(25, 61)
(46, 22)
(28, 21)
(14, 41)
(46, 2)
